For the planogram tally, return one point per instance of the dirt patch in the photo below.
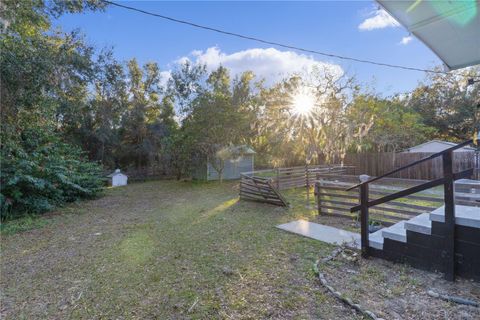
(338, 222)
(395, 290)
(398, 291)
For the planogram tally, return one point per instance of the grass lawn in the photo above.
(165, 250)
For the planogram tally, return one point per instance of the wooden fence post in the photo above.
(476, 162)
(317, 189)
(307, 183)
(364, 225)
(278, 179)
(364, 219)
(449, 194)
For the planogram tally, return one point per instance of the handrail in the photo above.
(433, 156)
(412, 190)
(448, 181)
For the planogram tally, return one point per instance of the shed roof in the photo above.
(115, 173)
(243, 149)
(447, 143)
(451, 29)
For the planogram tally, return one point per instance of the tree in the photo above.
(42, 73)
(309, 121)
(94, 124)
(178, 146)
(141, 130)
(394, 125)
(448, 104)
(186, 84)
(214, 122)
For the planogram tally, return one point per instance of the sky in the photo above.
(351, 28)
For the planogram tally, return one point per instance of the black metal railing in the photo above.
(448, 181)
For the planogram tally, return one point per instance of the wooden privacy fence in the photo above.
(377, 164)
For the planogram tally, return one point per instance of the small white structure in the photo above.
(436, 146)
(117, 179)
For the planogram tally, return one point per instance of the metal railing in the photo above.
(448, 180)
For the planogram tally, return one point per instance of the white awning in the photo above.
(451, 29)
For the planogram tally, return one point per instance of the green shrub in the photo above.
(40, 172)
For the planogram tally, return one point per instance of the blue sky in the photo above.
(351, 28)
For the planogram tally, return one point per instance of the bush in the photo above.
(40, 172)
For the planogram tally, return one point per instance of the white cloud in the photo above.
(164, 77)
(380, 19)
(406, 40)
(271, 64)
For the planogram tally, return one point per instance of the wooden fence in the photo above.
(265, 185)
(261, 190)
(294, 177)
(145, 174)
(333, 199)
(376, 164)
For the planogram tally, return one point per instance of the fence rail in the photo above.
(294, 177)
(377, 164)
(261, 190)
(334, 200)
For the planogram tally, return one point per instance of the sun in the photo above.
(303, 103)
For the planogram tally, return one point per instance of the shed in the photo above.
(117, 179)
(241, 161)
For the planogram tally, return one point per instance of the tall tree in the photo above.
(139, 141)
(448, 103)
(214, 122)
(310, 122)
(42, 72)
(395, 126)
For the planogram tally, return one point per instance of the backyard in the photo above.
(167, 249)
(237, 133)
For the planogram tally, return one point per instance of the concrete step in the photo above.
(468, 184)
(464, 215)
(420, 224)
(375, 240)
(396, 232)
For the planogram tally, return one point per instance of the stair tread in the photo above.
(376, 240)
(464, 215)
(468, 182)
(471, 196)
(420, 224)
(396, 232)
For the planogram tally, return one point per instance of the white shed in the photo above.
(436, 146)
(117, 179)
